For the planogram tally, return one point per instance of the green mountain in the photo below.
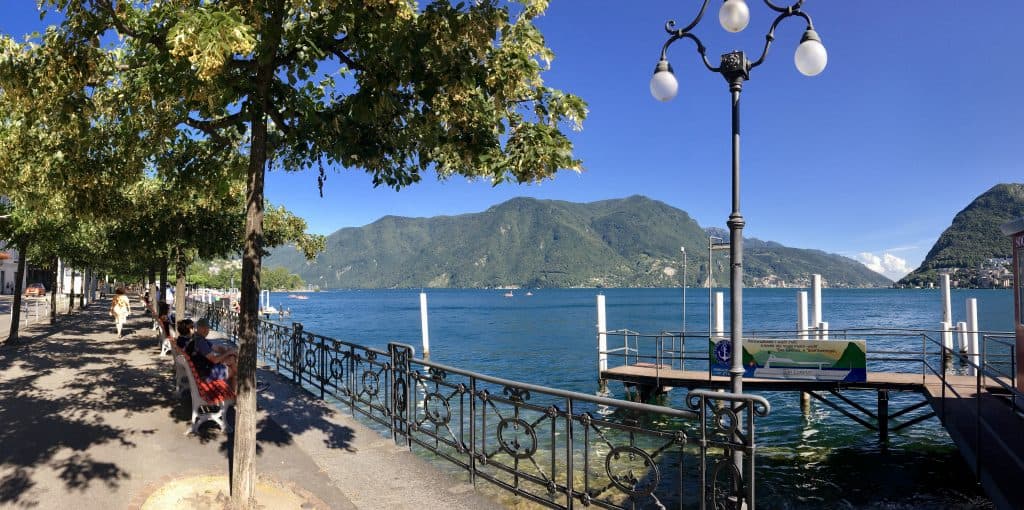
(973, 238)
(524, 242)
(851, 358)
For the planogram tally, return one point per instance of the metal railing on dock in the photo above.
(556, 448)
(892, 350)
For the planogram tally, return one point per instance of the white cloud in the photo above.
(887, 264)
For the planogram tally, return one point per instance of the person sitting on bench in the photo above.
(185, 328)
(212, 361)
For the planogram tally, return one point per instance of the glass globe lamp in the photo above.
(734, 15)
(664, 86)
(810, 57)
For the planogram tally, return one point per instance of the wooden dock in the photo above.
(648, 374)
(983, 425)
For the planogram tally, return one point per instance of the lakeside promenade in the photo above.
(90, 421)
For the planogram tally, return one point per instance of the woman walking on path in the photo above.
(120, 307)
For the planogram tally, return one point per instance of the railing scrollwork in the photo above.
(556, 448)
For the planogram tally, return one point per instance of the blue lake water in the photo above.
(822, 460)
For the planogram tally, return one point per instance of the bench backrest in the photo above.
(212, 392)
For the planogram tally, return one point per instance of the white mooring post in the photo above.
(423, 325)
(947, 309)
(972, 332)
(816, 304)
(719, 329)
(801, 314)
(602, 336)
(947, 336)
(961, 336)
(823, 331)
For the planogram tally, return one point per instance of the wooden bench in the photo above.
(210, 400)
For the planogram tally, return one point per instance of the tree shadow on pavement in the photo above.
(73, 386)
(58, 391)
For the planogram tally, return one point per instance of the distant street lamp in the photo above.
(714, 243)
(683, 332)
(810, 59)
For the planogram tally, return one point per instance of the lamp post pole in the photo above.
(734, 69)
(810, 60)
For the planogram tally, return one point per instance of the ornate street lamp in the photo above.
(810, 59)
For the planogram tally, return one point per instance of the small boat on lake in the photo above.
(509, 294)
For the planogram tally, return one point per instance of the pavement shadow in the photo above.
(56, 388)
(71, 386)
(305, 412)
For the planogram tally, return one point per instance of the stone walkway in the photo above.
(89, 421)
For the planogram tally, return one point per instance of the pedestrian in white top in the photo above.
(120, 307)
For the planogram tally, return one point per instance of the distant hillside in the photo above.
(524, 242)
(973, 238)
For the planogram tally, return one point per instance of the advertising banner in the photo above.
(806, 360)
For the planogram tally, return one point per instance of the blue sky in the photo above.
(917, 113)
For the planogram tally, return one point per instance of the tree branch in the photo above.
(278, 118)
(212, 127)
(337, 50)
(123, 28)
(333, 46)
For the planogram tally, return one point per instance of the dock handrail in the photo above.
(650, 346)
(986, 375)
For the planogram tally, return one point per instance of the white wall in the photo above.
(9, 268)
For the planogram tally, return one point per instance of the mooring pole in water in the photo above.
(947, 308)
(816, 304)
(719, 315)
(801, 314)
(947, 343)
(423, 325)
(805, 403)
(972, 335)
(961, 335)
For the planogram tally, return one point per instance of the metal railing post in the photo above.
(297, 352)
(352, 379)
(569, 441)
(322, 373)
(472, 430)
(400, 381)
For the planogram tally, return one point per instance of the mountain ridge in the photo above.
(527, 242)
(972, 239)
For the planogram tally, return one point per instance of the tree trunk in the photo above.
(71, 300)
(85, 288)
(53, 290)
(163, 280)
(243, 473)
(180, 268)
(19, 276)
(152, 290)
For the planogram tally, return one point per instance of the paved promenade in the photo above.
(89, 421)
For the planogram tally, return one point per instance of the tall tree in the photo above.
(385, 86)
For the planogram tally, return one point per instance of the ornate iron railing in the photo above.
(557, 448)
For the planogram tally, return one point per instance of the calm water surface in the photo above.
(823, 460)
